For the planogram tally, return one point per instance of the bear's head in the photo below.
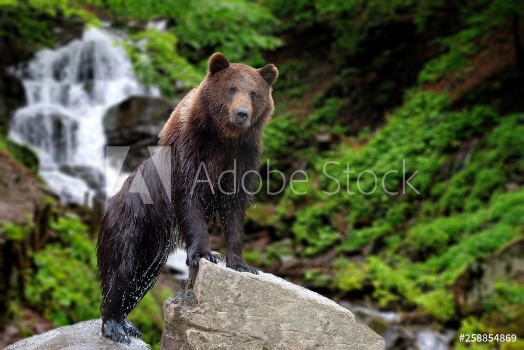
(239, 96)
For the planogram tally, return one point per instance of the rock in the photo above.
(67, 32)
(136, 122)
(91, 176)
(478, 281)
(12, 96)
(137, 110)
(12, 93)
(80, 336)
(232, 310)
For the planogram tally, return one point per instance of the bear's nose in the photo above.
(241, 116)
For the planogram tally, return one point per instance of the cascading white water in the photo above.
(68, 91)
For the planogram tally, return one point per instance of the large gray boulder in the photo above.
(231, 310)
(80, 336)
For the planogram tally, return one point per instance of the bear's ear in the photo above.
(217, 62)
(270, 73)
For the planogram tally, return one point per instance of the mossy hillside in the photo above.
(22, 154)
(469, 166)
(406, 251)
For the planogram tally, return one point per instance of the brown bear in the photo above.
(207, 166)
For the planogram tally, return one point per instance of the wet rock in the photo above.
(137, 110)
(232, 310)
(12, 96)
(136, 122)
(81, 336)
(91, 176)
(479, 279)
(67, 32)
(12, 93)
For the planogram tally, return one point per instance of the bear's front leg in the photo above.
(232, 222)
(192, 224)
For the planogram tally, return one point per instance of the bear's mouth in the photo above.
(240, 123)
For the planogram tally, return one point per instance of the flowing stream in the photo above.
(68, 91)
(402, 336)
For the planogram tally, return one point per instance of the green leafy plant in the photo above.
(63, 282)
(157, 62)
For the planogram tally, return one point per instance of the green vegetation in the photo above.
(49, 279)
(460, 216)
(161, 57)
(60, 279)
(156, 61)
(32, 21)
(403, 251)
(23, 154)
(398, 88)
(460, 47)
(239, 28)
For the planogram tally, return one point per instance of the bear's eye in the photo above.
(253, 94)
(232, 90)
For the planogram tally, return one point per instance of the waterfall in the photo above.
(68, 91)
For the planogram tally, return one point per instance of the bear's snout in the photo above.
(241, 117)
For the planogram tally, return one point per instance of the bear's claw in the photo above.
(243, 267)
(192, 261)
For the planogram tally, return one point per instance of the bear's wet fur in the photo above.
(216, 128)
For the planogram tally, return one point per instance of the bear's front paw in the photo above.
(243, 267)
(193, 260)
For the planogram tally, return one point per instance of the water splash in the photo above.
(68, 91)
